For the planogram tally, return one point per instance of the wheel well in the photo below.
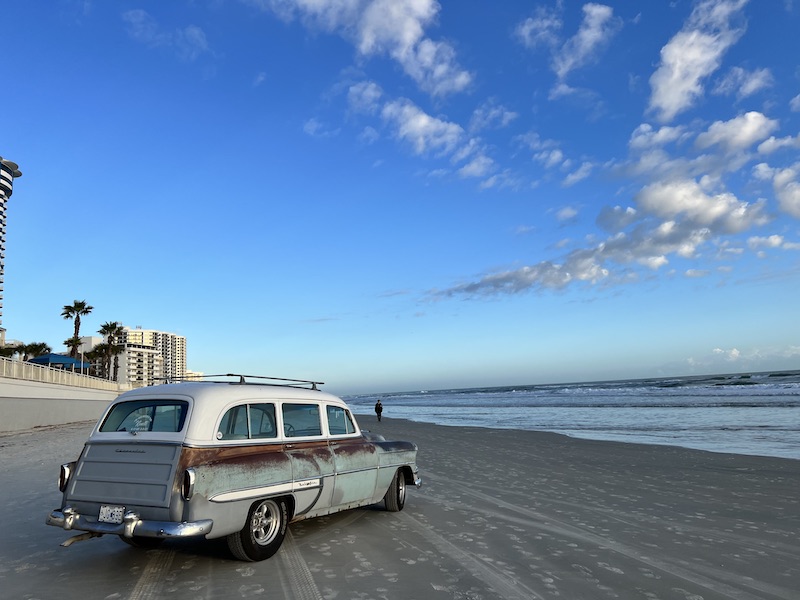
(407, 474)
(289, 506)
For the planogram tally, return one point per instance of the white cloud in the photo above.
(617, 218)
(550, 158)
(391, 26)
(578, 175)
(596, 29)
(364, 97)
(744, 83)
(697, 273)
(787, 189)
(491, 115)
(189, 42)
(145, 29)
(763, 172)
(794, 103)
(424, 132)
(739, 133)
(433, 66)
(385, 27)
(480, 166)
(566, 214)
(540, 30)
(259, 79)
(645, 137)
(653, 262)
(772, 241)
(369, 135)
(692, 55)
(731, 355)
(773, 144)
(315, 128)
(687, 198)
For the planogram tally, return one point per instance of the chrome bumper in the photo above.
(131, 526)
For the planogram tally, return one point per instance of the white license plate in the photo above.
(111, 514)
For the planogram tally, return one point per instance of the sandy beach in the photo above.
(501, 514)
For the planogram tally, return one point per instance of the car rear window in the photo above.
(147, 415)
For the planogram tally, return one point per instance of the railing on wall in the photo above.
(17, 369)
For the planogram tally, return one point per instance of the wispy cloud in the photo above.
(743, 83)
(396, 28)
(596, 29)
(693, 54)
(491, 115)
(189, 42)
(678, 211)
(317, 129)
(422, 131)
(543, 30)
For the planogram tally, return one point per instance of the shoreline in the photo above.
(366, 418)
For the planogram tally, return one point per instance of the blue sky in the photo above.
(410, 194)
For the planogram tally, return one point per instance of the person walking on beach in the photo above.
(378, 409)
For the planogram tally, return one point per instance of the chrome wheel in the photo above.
(263, 532)
(265, 523)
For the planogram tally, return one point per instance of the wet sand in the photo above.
(501, 514)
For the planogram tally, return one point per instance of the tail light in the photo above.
(187, 487)
(64, 476)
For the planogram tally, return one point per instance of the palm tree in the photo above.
(75, 312)
(73, 344)
(10, 351)
(34, 349)
(116, 351)
(97, 356)
(111, 329)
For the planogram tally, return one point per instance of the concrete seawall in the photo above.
(28, 404)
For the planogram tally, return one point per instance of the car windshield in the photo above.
(147, 415)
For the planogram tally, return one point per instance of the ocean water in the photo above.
(747, 413)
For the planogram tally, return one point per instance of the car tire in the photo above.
(263, 532)
(395, 497)
(146, 543)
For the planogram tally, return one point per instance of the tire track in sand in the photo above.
(714, 580)
(506, 587)
(296, 579)
(148, 586)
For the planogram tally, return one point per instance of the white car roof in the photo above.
(209, 400)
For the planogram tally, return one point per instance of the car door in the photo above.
(311, 457)
(355, 459)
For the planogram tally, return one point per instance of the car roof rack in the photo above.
(243, 380)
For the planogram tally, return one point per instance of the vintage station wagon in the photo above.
(238, 459)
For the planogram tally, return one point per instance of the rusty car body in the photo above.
(238, 459)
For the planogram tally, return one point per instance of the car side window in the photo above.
(262, 421)
(248, 421)
(301, 420)
(339, 421)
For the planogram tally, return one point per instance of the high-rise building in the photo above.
(8, 171)
(150, 356)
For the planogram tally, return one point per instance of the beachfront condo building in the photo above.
(150, 356)
(8, 172)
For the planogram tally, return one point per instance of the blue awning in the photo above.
(59, 360)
